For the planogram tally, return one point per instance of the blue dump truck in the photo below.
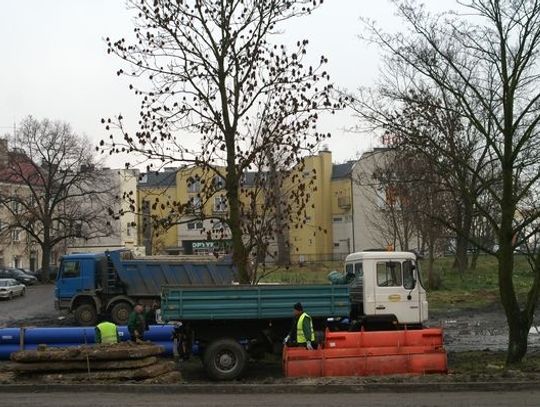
(377, 291)
(94, 285)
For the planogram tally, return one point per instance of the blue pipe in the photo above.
(10, 338)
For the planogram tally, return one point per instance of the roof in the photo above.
(20, 170)
(342, 170)
(158, 179)
(380, 256)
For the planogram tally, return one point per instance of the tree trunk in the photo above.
(240, 254)
(431, 261)
(464, 224)
(474, 259)
(461, 261)
(517, 340)
(275, 183)
(45, 261)
(518, 327)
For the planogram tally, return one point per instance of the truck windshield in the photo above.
(70, 269)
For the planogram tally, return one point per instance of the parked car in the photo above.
(10, 288)
(16, 274)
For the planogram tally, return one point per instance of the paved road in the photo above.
(38, 303)
(514, 399)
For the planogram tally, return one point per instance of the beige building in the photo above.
(377, 218)
(121, 199)
(17, 248)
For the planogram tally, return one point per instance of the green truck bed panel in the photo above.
(252, 302)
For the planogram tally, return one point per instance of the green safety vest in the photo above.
(300, 337)
(108, 332)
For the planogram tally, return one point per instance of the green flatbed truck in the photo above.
(232, 323)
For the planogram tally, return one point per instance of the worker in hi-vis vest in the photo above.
(302, 333)
(107, 332)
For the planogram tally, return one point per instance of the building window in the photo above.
(196, 203)
(220, 204)
(218, 183)
(16, 235)
(15, 207)
(338, 220)
(336, 244)
(194, 184)
(195, 225)
(129, 229)
(78, 229)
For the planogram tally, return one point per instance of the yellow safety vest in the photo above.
(300, 337)
(108, 332)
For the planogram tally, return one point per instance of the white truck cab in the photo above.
(388, 284)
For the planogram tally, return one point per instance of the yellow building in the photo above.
(156, 192)
(322, 231)
(342, 210)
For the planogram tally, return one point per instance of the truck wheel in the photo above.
(120, 313)
(225, 359)
(86, 315)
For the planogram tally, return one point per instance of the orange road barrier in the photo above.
(370, 354)
(429, 337)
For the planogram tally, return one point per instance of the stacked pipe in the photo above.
(16, 339)
(370, 354)
(102, 362)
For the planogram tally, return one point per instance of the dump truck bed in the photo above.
(143, 278)
(252, 302)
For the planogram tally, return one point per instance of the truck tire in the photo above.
(225, 359)
(86, 315)
(120, 313)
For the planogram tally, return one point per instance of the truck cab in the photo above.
(387, 286)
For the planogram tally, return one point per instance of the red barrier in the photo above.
(430, 337)
(370, 354)
(361, 362)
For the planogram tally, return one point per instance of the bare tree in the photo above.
(55, 187)
(486, 67)
(215, 70)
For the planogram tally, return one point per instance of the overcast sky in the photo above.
(55, 65)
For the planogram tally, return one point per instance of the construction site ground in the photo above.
(474, 338)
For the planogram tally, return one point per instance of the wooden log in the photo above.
(147, 372)
(68, 366)
(120, 351)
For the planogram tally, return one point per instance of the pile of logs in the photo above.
(126, 361)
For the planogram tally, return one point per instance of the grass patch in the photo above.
(475, 288)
